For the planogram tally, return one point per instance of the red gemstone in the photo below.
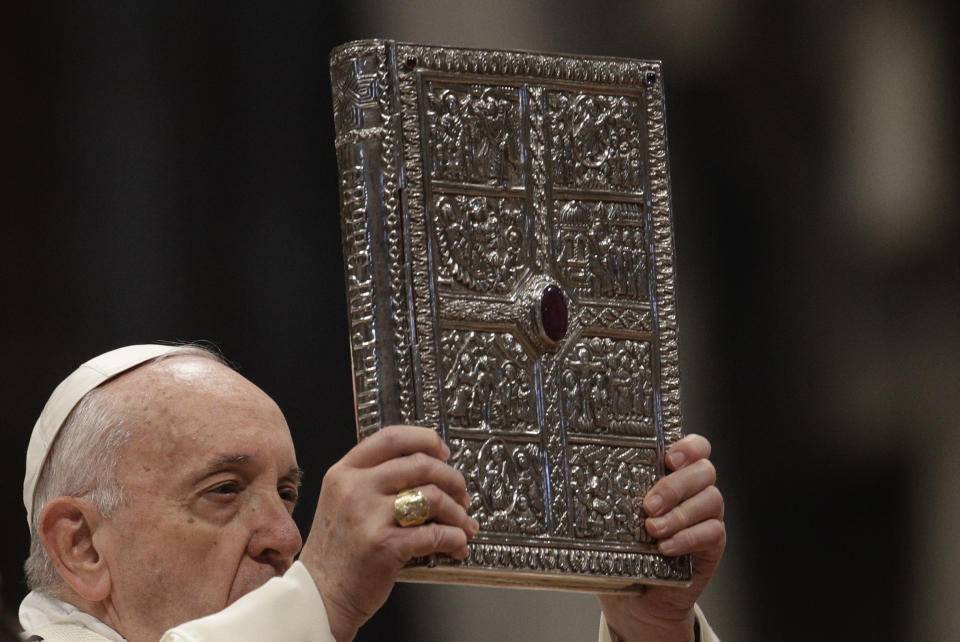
(553, 313)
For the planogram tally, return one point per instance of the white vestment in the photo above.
(287, 608)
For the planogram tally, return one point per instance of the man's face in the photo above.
(210, 480)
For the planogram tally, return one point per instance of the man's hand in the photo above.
(355, 548)
(686, 514)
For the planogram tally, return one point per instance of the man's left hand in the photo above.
(686, 514)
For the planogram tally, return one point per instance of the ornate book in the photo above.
(508, 248)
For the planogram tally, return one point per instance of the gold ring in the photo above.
(411, 508)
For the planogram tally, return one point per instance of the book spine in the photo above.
(366, 158)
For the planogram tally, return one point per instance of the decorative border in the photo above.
(391, 162)
(354, 134)
(421, 259)
(542, 66)
(553, 567)
(581, 561)
(356, 138)
(665, 308)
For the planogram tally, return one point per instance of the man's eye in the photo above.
(289, 495)
(230, 488)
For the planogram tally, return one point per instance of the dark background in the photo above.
(170, 174)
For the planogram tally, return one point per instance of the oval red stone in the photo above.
(553, 313)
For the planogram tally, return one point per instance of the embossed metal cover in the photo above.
(508, 249)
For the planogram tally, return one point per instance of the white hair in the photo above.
(82, 462)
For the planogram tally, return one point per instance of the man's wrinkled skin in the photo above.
(210, 479)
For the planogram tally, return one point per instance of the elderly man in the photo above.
(159, 491)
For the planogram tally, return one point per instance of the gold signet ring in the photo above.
(411, 508)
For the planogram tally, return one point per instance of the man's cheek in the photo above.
(250, 577)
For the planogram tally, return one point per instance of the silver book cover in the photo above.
(509, 260)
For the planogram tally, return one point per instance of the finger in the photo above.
(419, 469)
(689, 449)
(705, 505)
(444, 510)
(396, 441)
(434, 538)
(706, 536)
(678, 486)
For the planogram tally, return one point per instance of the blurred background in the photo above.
(170, 174)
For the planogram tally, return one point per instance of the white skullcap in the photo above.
(70, 391)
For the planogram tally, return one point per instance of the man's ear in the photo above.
(66, 526)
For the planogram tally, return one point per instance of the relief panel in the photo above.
(474, 134)
(607, 486)
(480, 240)
(607, 388)
(488, 382)
(505, 484)
(595, 141)
(602, 249)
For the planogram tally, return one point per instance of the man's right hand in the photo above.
(355, 548)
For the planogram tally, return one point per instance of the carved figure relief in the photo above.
(608, 485)
(595, 141)
(607, 387)
(488, 382)
(480, 241)
(602, 248)
(505, 482)
(475, 134)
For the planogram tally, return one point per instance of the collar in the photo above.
(38, 610)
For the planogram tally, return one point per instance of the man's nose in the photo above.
(276, 538)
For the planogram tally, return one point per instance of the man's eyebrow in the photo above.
(223, 462)
(294, 474)
(227, 462)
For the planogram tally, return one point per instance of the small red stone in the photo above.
(553, 313)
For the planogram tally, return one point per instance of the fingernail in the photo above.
(668, 547)
(653, 503)
(475, 525)
(446, 451)
(676, 459)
